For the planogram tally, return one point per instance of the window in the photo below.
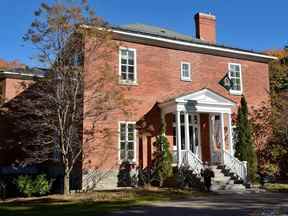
(127, 141)
(185, 71)
(236, 78)
(127, 66)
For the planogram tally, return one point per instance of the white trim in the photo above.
(196, 45)
(21, 74)
(126, 82)
(235, 92)
(119, 140)
(189, 72)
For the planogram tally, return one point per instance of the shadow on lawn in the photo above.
(87, 208)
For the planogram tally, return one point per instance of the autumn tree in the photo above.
(60, 32)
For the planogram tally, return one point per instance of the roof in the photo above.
(24, 73)
(180, 96)
(158, 32)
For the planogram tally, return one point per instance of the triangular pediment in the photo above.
(205, 96)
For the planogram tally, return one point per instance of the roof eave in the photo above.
(197, 47)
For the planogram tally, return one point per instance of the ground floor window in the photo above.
(127, 141)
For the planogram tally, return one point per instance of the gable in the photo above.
(205, 96)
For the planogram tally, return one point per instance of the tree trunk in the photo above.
(66, 183)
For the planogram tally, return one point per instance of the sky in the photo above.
(249, 24)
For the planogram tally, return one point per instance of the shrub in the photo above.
(163, 157)
(39, 186)
(25, 185)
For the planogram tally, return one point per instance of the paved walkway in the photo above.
(225, 204)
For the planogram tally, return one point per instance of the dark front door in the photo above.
(205, 138)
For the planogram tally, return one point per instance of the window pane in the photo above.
(185, 74)
(123, 68)
(191, 138)
(130, 155)
(185, 67)
(195, 119)
(130, 136)
(174, 136)
(123, 61)
(237, 68)
(131, 69)
(122, 154)
(130, 127)
(131, 54)
(131, 62)
(182, 118)
(190, 119)
(123, 76)
(182, 137)
(122, 145)
(196, 136)
(130, 145)
(124, 54)
(131, 76)
(122, 132)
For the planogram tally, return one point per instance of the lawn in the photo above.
(89, 204)
(274, 187)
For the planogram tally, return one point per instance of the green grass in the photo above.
(89, 204)
(276, 187)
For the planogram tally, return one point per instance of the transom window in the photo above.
(127, 141)
(127, 68)
(185, 71)
(236, 78)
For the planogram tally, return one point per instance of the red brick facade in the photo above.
(158, 78)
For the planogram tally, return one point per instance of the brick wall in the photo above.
(158, 71)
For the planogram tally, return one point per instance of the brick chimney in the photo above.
(205, 27)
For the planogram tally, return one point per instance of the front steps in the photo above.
(226, 182)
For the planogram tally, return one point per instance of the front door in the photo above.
(205, 138)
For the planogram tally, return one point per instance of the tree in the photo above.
(56, 104)
(245, 147)
(163, 157)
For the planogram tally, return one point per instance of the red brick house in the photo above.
(175, 80)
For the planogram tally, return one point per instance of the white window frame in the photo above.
(236, 92)
(189, 70)
(119, 140)
(127, 82)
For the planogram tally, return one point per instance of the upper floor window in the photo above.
(127, 141)
(236, 78)
(185, 71)
(127, 66)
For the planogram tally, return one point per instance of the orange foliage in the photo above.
(10, 64)
(280, 53)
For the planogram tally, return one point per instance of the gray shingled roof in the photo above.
(158, 31)
(169, 34)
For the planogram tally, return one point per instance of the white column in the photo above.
(223, 137)
(230, 134)
(187, 140)
(178, 136)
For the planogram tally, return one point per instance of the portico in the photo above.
(202, 126)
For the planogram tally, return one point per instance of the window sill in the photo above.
(131, 162)
(121, 82)
(186, 80)
(237, 93)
